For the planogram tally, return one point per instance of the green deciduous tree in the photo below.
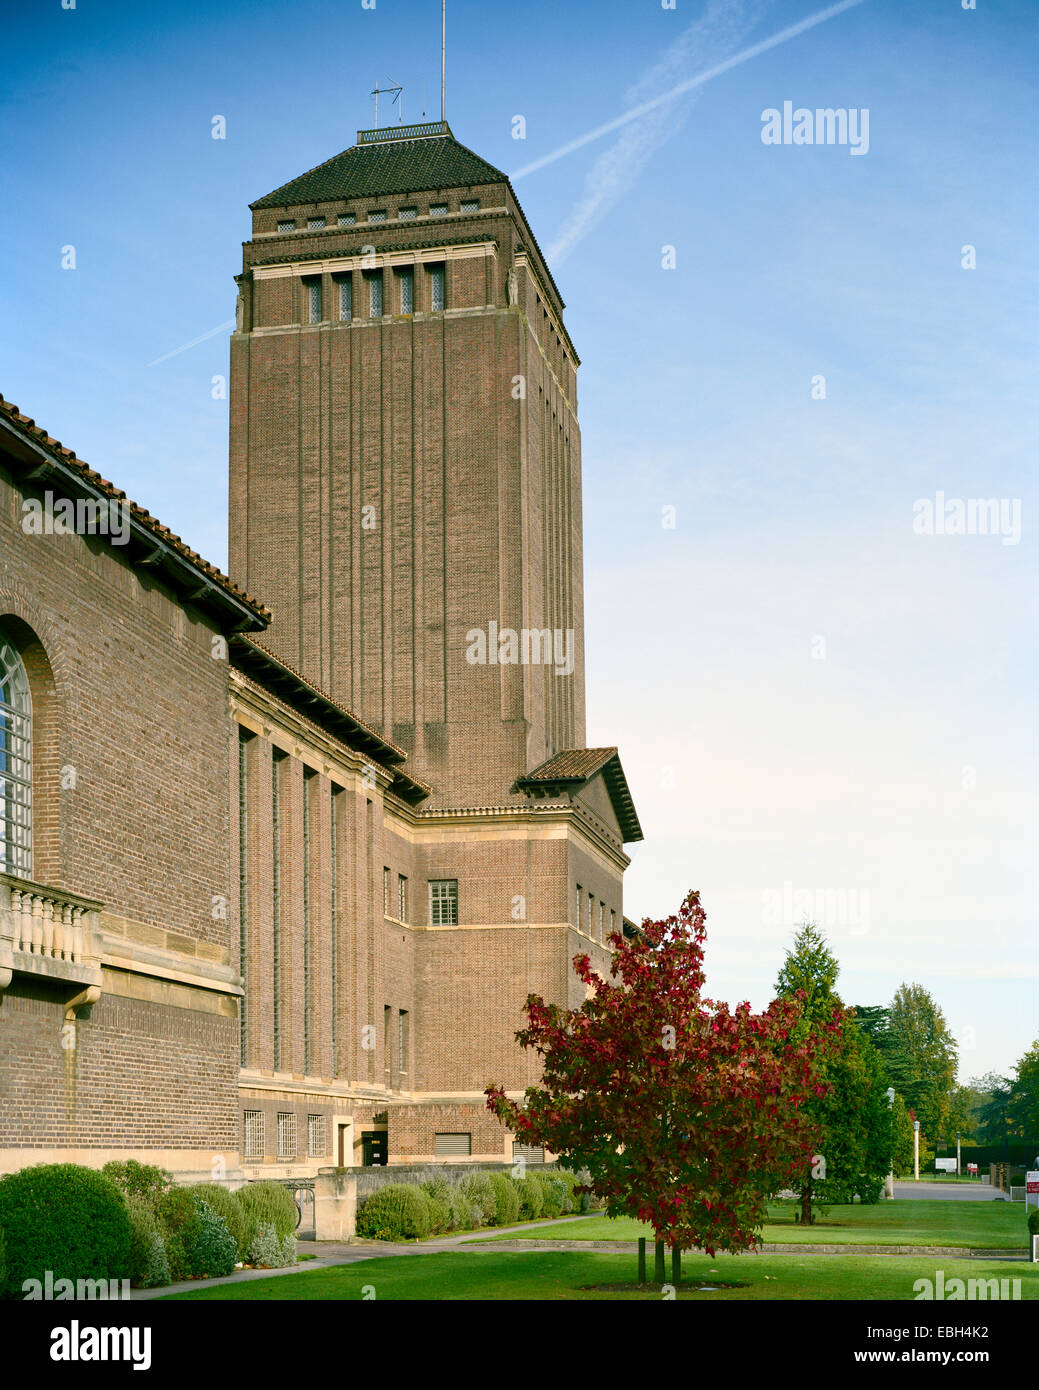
(922, 1036)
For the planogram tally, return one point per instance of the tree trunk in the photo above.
(806, 1199)
(676, 1266)
(642, 1259)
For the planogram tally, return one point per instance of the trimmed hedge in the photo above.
(531, 1197)
(506, 1200)
(398, 1211)
(477, 1187)
(1033, 1222)
(226, 1204)
(65, 1218)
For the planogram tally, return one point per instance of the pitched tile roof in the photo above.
(389, 166)
(64, 460)
(573, 767)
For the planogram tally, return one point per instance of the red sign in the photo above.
(1032, 1187)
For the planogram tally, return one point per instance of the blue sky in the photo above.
(809, 697)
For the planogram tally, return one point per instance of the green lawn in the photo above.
(574, 1275)
(972, 1225)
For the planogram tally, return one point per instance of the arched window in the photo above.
(15, 765)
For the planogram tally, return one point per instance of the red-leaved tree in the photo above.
(687, 1114)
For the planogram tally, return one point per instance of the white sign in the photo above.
(1031, 1189)
(945, 1165)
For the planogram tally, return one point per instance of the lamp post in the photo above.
(889, 1185)
(916, 1150)
(958, 1155)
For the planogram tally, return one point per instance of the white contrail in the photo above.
(220, 328)
(819, 18)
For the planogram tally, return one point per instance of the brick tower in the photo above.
(405, 458)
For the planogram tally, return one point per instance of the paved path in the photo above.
(954, 1192)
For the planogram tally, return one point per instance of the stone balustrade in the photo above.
(46, 931)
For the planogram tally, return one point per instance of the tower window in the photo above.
(470, 205)
(443, 902)
(15, 765)
(347, 219)
(287, 226)
(438, 209)
(402, 898)
(314, 223)
(577, 920)
(313, 301)
(436, 288)
(346, 297)
(406, 279)
(377, 216)
(385, 892)
(375, 295)
(402, 1042)
(408, 214)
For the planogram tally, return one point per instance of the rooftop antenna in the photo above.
(378, 91)
(443, 61)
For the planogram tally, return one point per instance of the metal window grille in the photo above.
(254, 1144)
(402, 898)
(378, 216)
(528, 1152)
(314, 223)
(347, 219)
(407, 291)
(443, 902)
(346, 298)
(470, 205)
(287, 226)
(453, 1145)
(385, 892)
(15, 765)
(438, 209)
(314, 301)
(580, 899)
(375, 295)
(408, 214)
(286, 1135)
(436, 284)
(317, 1140)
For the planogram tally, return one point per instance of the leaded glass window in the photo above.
(15, 765)
(436, 288)
(443, 902)
(438, 209)
(407, 292)
(375, 295)
(314, 301)
(379, 216)
(408, 214)
(287, 226)
(472, 205)
(346, 298)
(314, 223)
(347, 219)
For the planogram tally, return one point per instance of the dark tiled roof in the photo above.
(268, 669)
(256, 615)
(571, 768)
(392, 166)
(572, 765)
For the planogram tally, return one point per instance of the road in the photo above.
(953, 1192)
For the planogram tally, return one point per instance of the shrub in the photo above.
(155, 1269)
(65, 1218)
(135, 1179)
(398, 1211)
(531, 1199)
(3, 1262)
(180, 1224)
(463, 1218)
(265, 1251)
(1033, 1222)
(506, 1200)
(267, 1203)
(288, 1251)
(214, 1251)
(477, 1187)
(144, 1232)
(226, 1204)
(440, 1212)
